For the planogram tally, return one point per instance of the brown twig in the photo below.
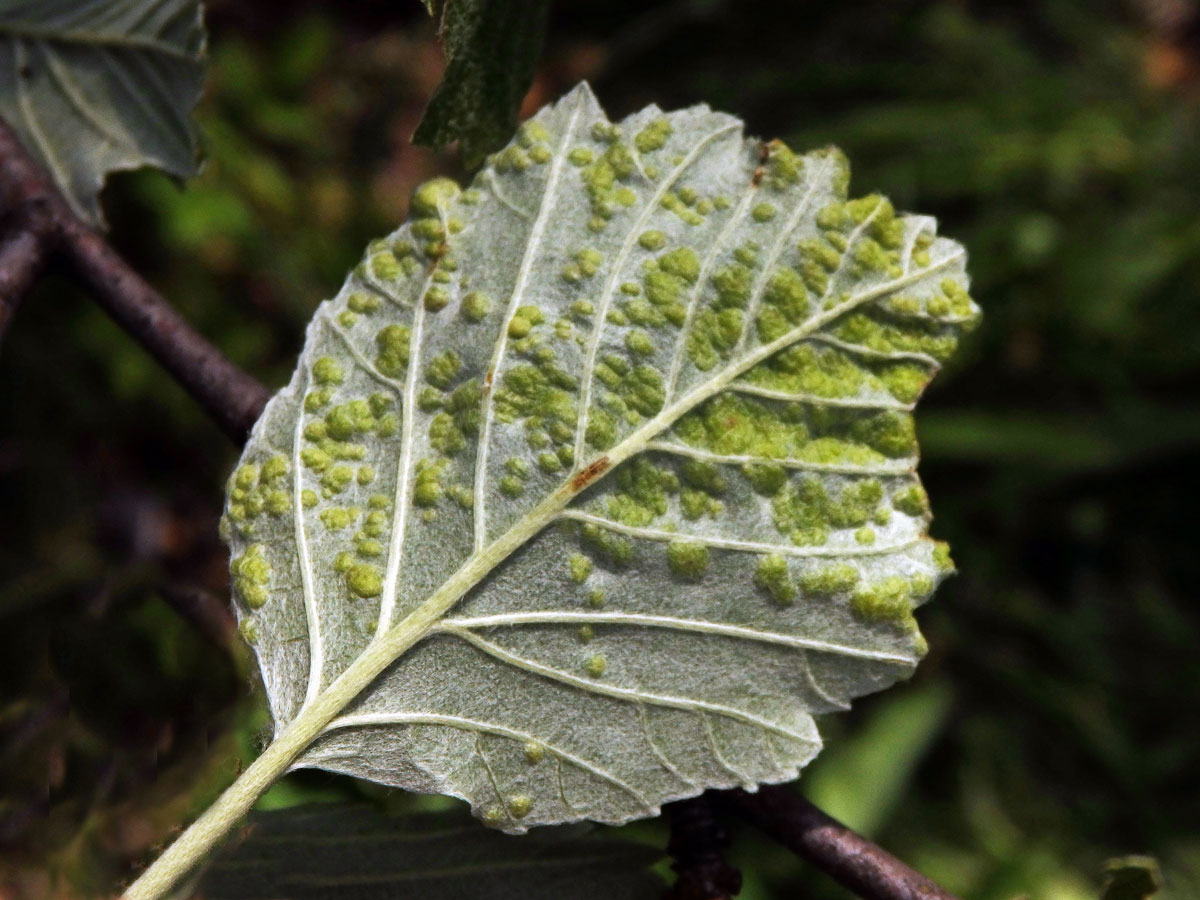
(231, 397)
(698, 842)
(22, 258)
(845, 856)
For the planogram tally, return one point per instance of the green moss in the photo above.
(392, 343)
(248, 629)
(904, 381)
(443, 369)
(737, 425)
(328, 371)
(887, 601)
(714, 333)
(376, 523)
(612, 548)
(911, 500)
(642, 493)
(783, 166)
(643, 390)
(827, 580)
(385, 266)
(771, 575)
(733, 284)
(765, 479)
(681, 262)
(580, 567)
(653, 136)
(652, 240)
(445, 436)
(941, 557)
(365, 580)
(807, 369)
(475, 306)
(427, 486)
(703, 475)
(688, 559)
(601, 430)
(763, 212)
(436, 298)
(432, 196)
(315, 459)
(337, 478)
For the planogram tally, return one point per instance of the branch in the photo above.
(46, 224)
(845, 856)
(697, 844)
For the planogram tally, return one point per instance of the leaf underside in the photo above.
(678, 365)
(353, 853)
(93, 86)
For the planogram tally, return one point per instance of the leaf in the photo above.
(492, 47)
(356, 853)
(1131, 878)
(614, 452)
(92, 86)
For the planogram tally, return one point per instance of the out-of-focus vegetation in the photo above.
(1054, 723)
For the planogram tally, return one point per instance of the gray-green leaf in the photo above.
(492, 47)
(615, 449)
(92, 86)
(339, 853)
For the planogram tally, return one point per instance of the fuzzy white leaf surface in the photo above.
(632, 416)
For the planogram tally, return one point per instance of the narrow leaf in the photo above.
(610, 460)
(492, 47)
(92, 86)
(352, 853)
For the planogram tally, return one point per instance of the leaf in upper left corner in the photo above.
(94, 86)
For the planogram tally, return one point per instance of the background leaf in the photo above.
(492, 47)
(357, 853)
(92, 86)
(636, 409)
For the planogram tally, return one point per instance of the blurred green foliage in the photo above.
(1053, 725)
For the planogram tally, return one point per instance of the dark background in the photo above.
(1054, 723)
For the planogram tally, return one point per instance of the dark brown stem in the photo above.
(697, 844)
(230, 396)
(848, 858)
(22, 258)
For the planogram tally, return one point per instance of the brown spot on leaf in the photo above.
(591, 473)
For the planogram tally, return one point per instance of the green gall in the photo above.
(364, 580)
(687, 559)
(580, 567)
(771, 576)
(653, 136)
(433, 196)
(328, 371)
